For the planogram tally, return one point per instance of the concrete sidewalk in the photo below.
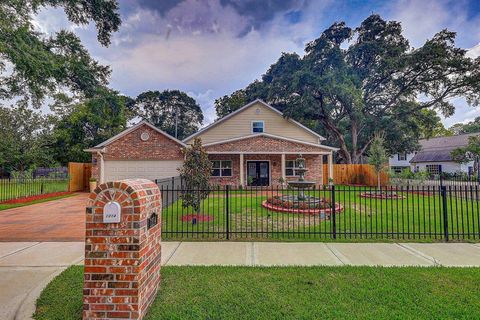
(27, 267)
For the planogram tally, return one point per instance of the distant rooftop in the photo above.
(440, 148)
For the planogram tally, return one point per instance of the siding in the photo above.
(240, 125)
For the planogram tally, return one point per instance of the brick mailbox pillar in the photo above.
(122, 250)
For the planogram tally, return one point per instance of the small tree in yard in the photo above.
(469, 153)
(195, 173)
(378, 157)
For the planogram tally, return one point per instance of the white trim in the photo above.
(245, 107)
(131, 129)
(221, 176)
(273, 137)
(293, 168)
(263, 126)
(269, 171)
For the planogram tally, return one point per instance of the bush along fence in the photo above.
(430, 213)
(426, 179)
(11, 188)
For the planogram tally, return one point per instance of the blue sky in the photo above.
(210, 48)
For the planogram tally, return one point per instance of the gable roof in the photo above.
(245, 107)
(440, 148)
(131, 129)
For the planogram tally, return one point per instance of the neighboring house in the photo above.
(434, 156)
(255, 145)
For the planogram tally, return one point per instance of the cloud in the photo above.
(422, 19)
(221, 63)
(201, 16)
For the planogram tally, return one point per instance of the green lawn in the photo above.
(417, 217)
(15, 205)
(19, 188)
(291, 293)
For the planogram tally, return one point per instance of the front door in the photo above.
(258, 173)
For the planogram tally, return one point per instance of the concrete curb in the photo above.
(28, 306)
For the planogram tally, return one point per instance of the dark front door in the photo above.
(258, 173)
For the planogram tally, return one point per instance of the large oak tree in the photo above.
(34, 65)
(352, 83)
(172, 111)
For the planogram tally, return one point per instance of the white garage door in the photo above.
(118, 170)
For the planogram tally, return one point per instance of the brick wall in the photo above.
(131, 147)
(122, 260)
(312, 162)
(265, 144)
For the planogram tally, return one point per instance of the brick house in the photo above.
(255, 145)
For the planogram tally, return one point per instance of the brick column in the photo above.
(122, 259)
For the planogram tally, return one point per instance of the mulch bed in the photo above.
(324, 211)
(37, 197)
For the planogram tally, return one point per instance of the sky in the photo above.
(210, 48)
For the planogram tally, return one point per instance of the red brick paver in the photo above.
(57, 220)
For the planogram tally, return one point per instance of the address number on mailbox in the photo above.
(112, 212)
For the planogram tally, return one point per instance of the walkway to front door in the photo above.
(258, 173)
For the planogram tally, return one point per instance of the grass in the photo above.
(291, 293)
(417, 217)
(19, 188)
(15, 205)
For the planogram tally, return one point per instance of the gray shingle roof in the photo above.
(439, 148)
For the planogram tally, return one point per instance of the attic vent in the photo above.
(257, 111)
(145, 136)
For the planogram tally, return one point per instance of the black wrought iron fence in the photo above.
(11, 188)
(325, 213)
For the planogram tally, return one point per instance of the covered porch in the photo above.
(267, 169)
(267, 160)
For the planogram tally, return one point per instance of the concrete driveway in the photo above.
(57, 220)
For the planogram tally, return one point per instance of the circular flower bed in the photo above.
(196, 218)
(317, 206)
(381, 195)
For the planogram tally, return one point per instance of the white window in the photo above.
(434, 169)
(398, 169)
(290, 168)
(221, 168)
(402, 156)
(258, 126)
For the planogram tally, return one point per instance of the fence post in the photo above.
(332, 214)
(227, 211)
(445, 215)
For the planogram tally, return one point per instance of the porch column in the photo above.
(242, 178)
(284, 177)
(330, 167)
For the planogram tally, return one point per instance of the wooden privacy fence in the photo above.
(354, 174)
(79, 174)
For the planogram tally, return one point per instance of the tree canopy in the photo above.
(26, 138)
(172, 111)
(352, 83)
(34, 66)
(471, 152)
(469, 127)
(88, 123)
